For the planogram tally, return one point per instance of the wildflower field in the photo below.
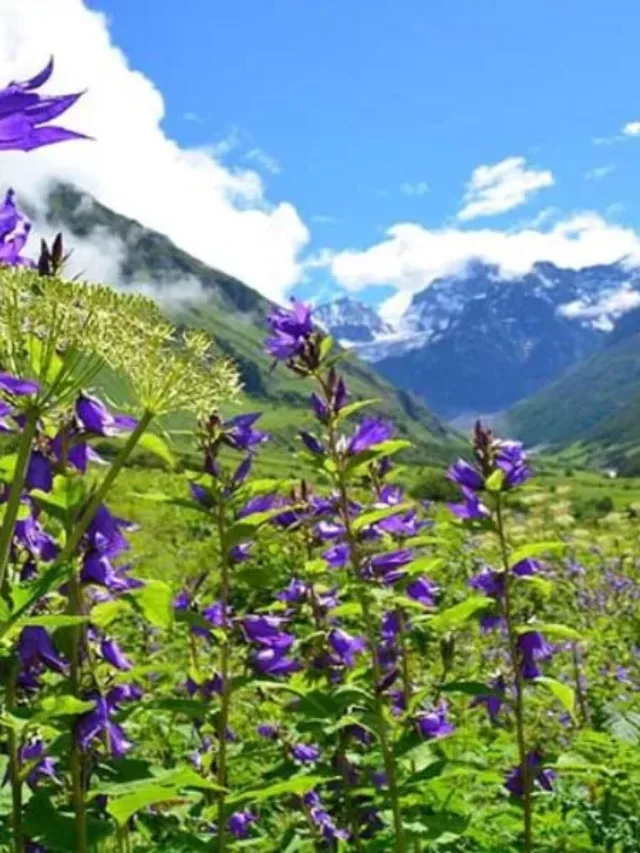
(222, 655)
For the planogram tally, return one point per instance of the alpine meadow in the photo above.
(270, 580)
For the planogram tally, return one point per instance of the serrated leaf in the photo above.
(457, 615)
(563, 692)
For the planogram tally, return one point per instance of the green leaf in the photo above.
(537, 549)
(159, 790)
(156, 602)
(25, 595)
(67, 495)
(298, 785)
(495, 481)
(246, 527)
(376, 515)
(460, 613)
(386, 448)
(543, 585)
(562, 692)
(106, 612)
(352, 408)
(62, 620)
(152, 443)
(63, 706)
(551, 629)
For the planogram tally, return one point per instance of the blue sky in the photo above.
(370, 116)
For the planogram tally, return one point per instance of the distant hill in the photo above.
(234, 315)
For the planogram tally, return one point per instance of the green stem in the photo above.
(79, 805)
(14, 768)
(517, 678)
(225, 699)
(15, 493)
(98, 496)
(370, 631)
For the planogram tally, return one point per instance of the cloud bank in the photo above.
(501, 187)
(220, 215)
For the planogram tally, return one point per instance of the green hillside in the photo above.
(588, 403)
(234, 315)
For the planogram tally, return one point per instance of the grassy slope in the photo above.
(234, 315)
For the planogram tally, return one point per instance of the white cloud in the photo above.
(501, 187)
(414, 189)
(599, 172)
(602, 313)
(411, 256)
(268, 163)
(632, 128)
(218, 214)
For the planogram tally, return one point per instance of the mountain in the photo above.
(595, 404)
(479, 342)
(351, 322)
(234, 315)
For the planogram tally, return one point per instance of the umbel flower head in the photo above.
(61, 334)
(24, 114)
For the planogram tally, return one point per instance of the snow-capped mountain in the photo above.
(480, 341)
(351, 322)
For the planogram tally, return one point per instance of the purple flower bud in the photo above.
(242, 471)
(423, 590)
(305, 753)
(13, 385)
(113, 654)
(35, 648)
(268, 731)
(39, 472)
(94, 417)
(311, 443)
(464, 475)
(239, 823)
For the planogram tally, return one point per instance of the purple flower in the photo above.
(434, 724)
(390, 627)
(470, 509)
(105, 532)
(274, 662)
(238, 432)
(241, 552)
(17, 387)
(39, 472)
(515, 783)
(114, 655)
(465, 475)
(294, 593)
(242, 471)
(268, 731)
(14, 232)
(35, 648)
(24, 114)
(201, 495)
(388, 567)
(261, 503)
(369, 433)
(206, 688)
(532, 647)
(492, 701)
(305, 753)
(123, 693)
(512, 459)
(182, 601)
(488, 582)
(345, 646)
(327, 530)
(291, 330)
(526, 567)
(337, 556)
(98, 569)
(423, 590)
(319, 407)
(239, 823)
(94, 417)
(44, 767)
(98, 724)
(265, 630)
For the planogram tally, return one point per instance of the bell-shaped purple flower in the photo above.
(512, 459)
(97, 724)
(43, 767)
(240, 823)
(238, 432)
(312, 444)
(488, 582)
(494, 700)
(290, 331)
(94, 417)
(434, 724)
(423, 590)
(305, 753)
(471, 509)
(114, 655)
(39, 472)
(337, 556)
(36, 649)
(532, 647)
(515, 783)
(24, 115)
(269, 731)
(369, 433)
(389, 567)
(465, 475)
(266, 631)
(345, 645)
(274, 662)
(14, 232)
(16, 387)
